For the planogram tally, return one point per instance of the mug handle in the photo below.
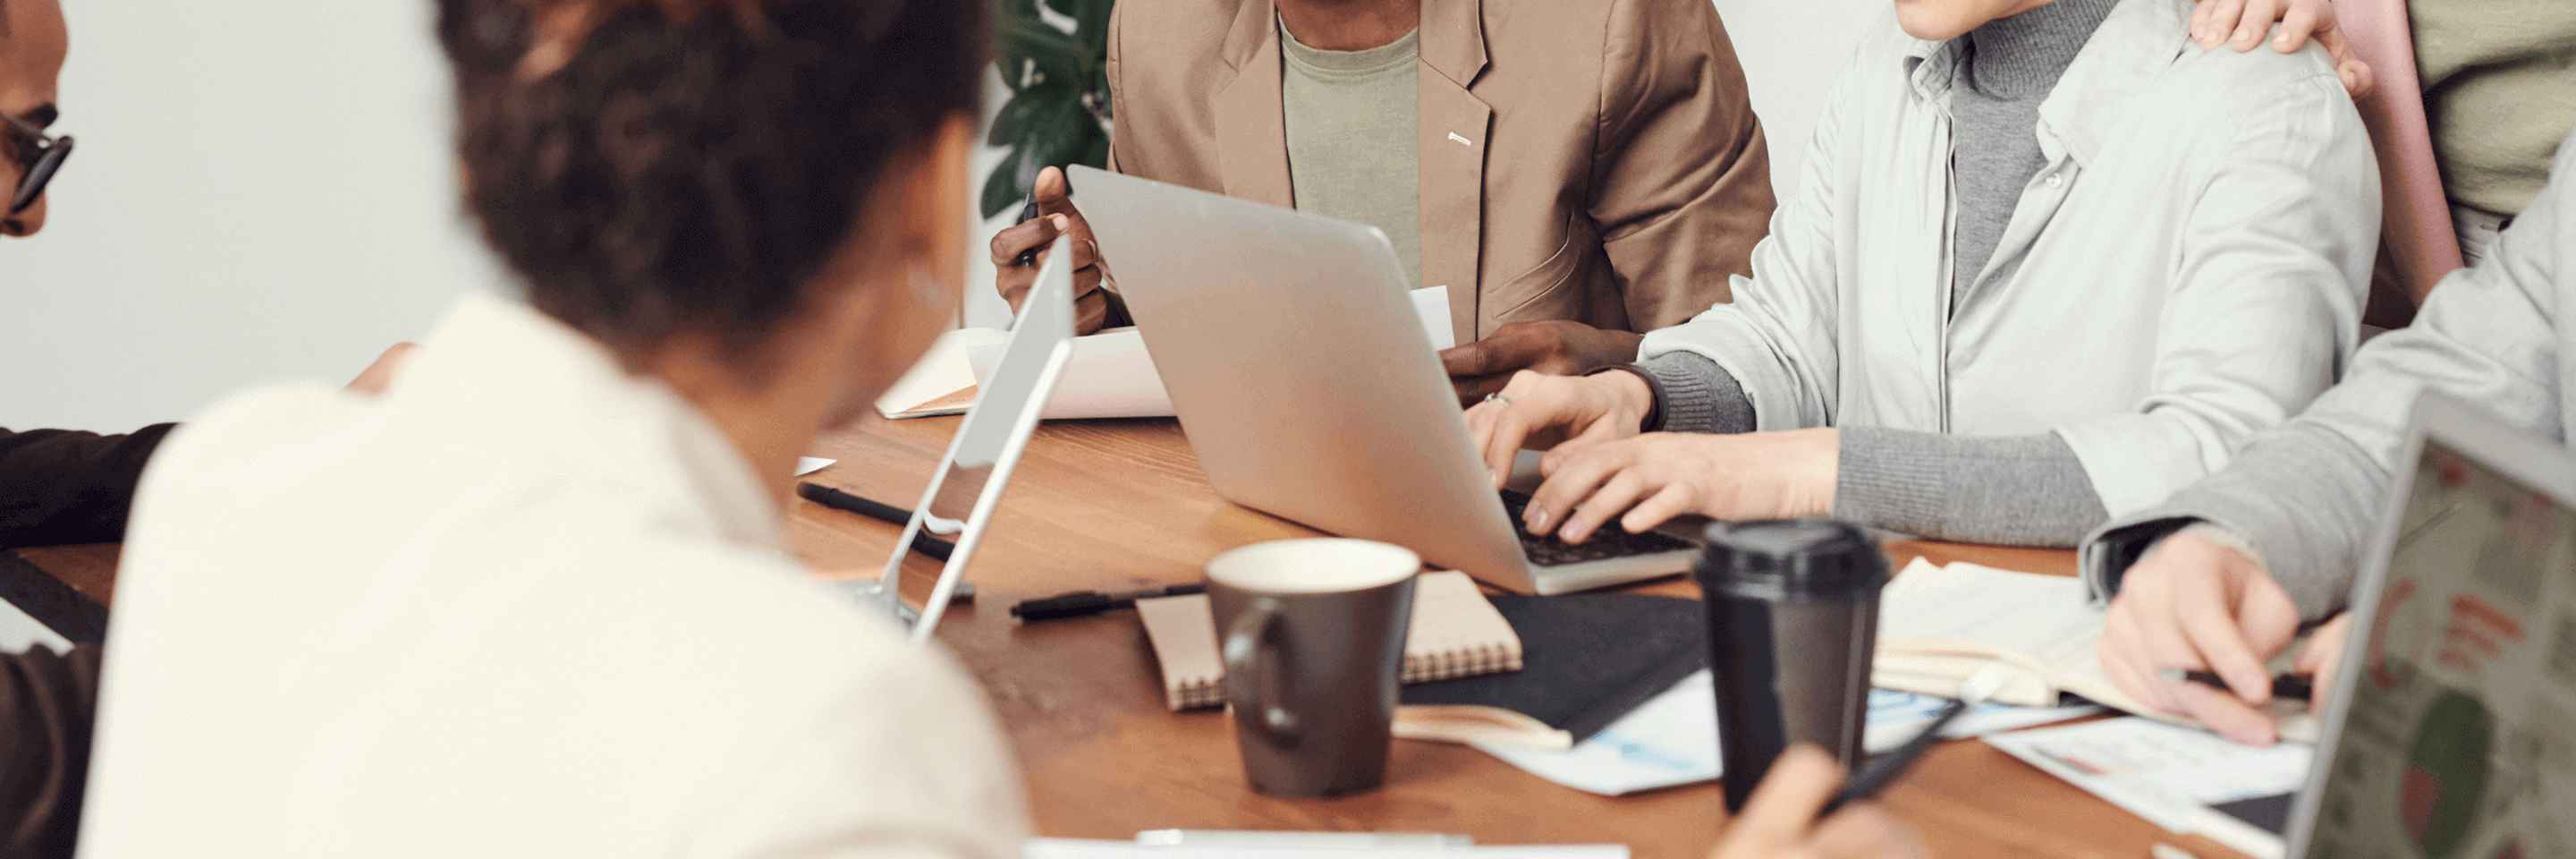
(1251, 659)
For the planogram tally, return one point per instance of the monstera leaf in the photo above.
(1054, 58)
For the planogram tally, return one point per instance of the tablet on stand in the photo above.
(969, 482)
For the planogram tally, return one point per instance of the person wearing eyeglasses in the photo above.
(58, 486)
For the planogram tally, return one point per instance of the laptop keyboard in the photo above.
(1606, 543)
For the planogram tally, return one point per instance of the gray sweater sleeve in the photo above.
(2304, 497)
(1694, 394)
(2026, 490)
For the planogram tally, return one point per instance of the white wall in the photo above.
(1792, 50)
(261, 191)
(264, 191)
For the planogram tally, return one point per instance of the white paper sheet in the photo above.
(2168, 774)
(942, 371)
(1671, 740)
(20, 631)
(809, 464)
(1111, 376)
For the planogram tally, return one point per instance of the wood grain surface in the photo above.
(1119, 504)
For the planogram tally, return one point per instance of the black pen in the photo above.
(1028, 212)
(925, 542)
(1080, 603)
(2294, 687)
(1884, 770)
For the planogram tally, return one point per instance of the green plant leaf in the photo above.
(1002, 191)
(1091, 24)
(1060, 134)
(1008, 65)
(1011, 123)
(1097, 154)
(1058, 56)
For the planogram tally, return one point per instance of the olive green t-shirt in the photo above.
(2500, 90)
(1352, 121)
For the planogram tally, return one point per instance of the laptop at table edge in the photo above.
(2494, 445)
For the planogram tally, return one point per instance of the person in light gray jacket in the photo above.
(2222, 575)
(2047, 264)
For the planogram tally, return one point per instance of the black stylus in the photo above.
(924, 542)
(2293, 687)
(1083, 603)
(1885, 769)
(1029, 212)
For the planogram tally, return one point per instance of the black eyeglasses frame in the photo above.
(42, 155)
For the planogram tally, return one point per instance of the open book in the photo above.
(1938, 625)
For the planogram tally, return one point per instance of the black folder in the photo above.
(1586, 659)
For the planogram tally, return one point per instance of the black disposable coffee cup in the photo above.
(1792, 624)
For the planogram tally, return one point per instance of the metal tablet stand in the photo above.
(987, 445)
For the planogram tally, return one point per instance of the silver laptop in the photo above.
(1307, 386)
(2452, 730)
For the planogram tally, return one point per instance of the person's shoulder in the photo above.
(234, 435)
(832, 718)
(1169, 26)
(2260, 80)
(770, 630)
(747, 601)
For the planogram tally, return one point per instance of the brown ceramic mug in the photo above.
(1313, 637)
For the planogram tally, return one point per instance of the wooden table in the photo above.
(1117, 504)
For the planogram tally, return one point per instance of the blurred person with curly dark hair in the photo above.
(536, 599)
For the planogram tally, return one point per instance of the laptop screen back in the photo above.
(2460, 736)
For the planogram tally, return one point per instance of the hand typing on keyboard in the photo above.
(1646, 480)
(1548, 551)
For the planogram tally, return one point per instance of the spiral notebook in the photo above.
(1455, 633)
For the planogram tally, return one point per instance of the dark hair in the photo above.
(655, 167)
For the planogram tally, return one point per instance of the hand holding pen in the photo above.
(1017, 250)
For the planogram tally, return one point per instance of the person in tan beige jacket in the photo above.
(1573, 173)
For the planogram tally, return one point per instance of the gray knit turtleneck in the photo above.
(2009, 67)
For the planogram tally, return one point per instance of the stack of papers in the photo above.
(20, 632)
(1672, 739)
(1109, 375)
(942, 382)
(2188, 781)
